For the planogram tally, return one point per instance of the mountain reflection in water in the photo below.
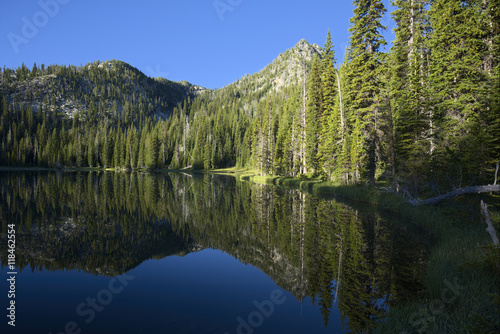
(349, 262)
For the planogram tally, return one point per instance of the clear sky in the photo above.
(206, 42)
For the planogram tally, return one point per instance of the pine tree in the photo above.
(78, 151)
(314, 112)
(108, 150)
(408, 89)
(90, 151)
(267, 138)
(356, 150)
(461, 74)
(330, 135)
(127, 162)
(258, 139)
(117, 150)
(199, 146)
(131, 148)
(343, 163)
(363, 80)
(152, 147)
(207, 151)
(283, 157)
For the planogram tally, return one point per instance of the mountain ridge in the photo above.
(108, 86)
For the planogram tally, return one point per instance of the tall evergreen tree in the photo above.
(152, 147)
(363, 80)
(330, 121)
(90, 151)
(314, 113)
(117, 150)
(408, 89)
(461, 74)
(107, 155)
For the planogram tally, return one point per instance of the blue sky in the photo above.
(206, 42)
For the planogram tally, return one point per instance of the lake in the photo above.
(198, 253)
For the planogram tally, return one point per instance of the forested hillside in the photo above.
(73, 116)
(97, 89)
(424, 115)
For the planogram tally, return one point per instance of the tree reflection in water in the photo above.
(339, 256)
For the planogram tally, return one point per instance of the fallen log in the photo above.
(455, 193)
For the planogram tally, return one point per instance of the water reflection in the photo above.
(343, 259)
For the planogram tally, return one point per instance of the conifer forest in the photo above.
(350, 185)
(422, 114)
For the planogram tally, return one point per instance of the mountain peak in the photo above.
(304, 44)
(287, 69)
(305, 49)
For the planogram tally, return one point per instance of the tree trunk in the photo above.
(491, 230)
(455, 193)
(341, 107)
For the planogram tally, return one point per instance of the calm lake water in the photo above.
(178, 253)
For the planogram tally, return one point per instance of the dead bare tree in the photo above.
(490, 229)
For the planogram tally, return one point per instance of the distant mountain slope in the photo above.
(115, 110)
(287, 69)
(110, 87)
(106, 87)
(224, 126)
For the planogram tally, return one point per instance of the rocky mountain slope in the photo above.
(289, 68)
(110, 87)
